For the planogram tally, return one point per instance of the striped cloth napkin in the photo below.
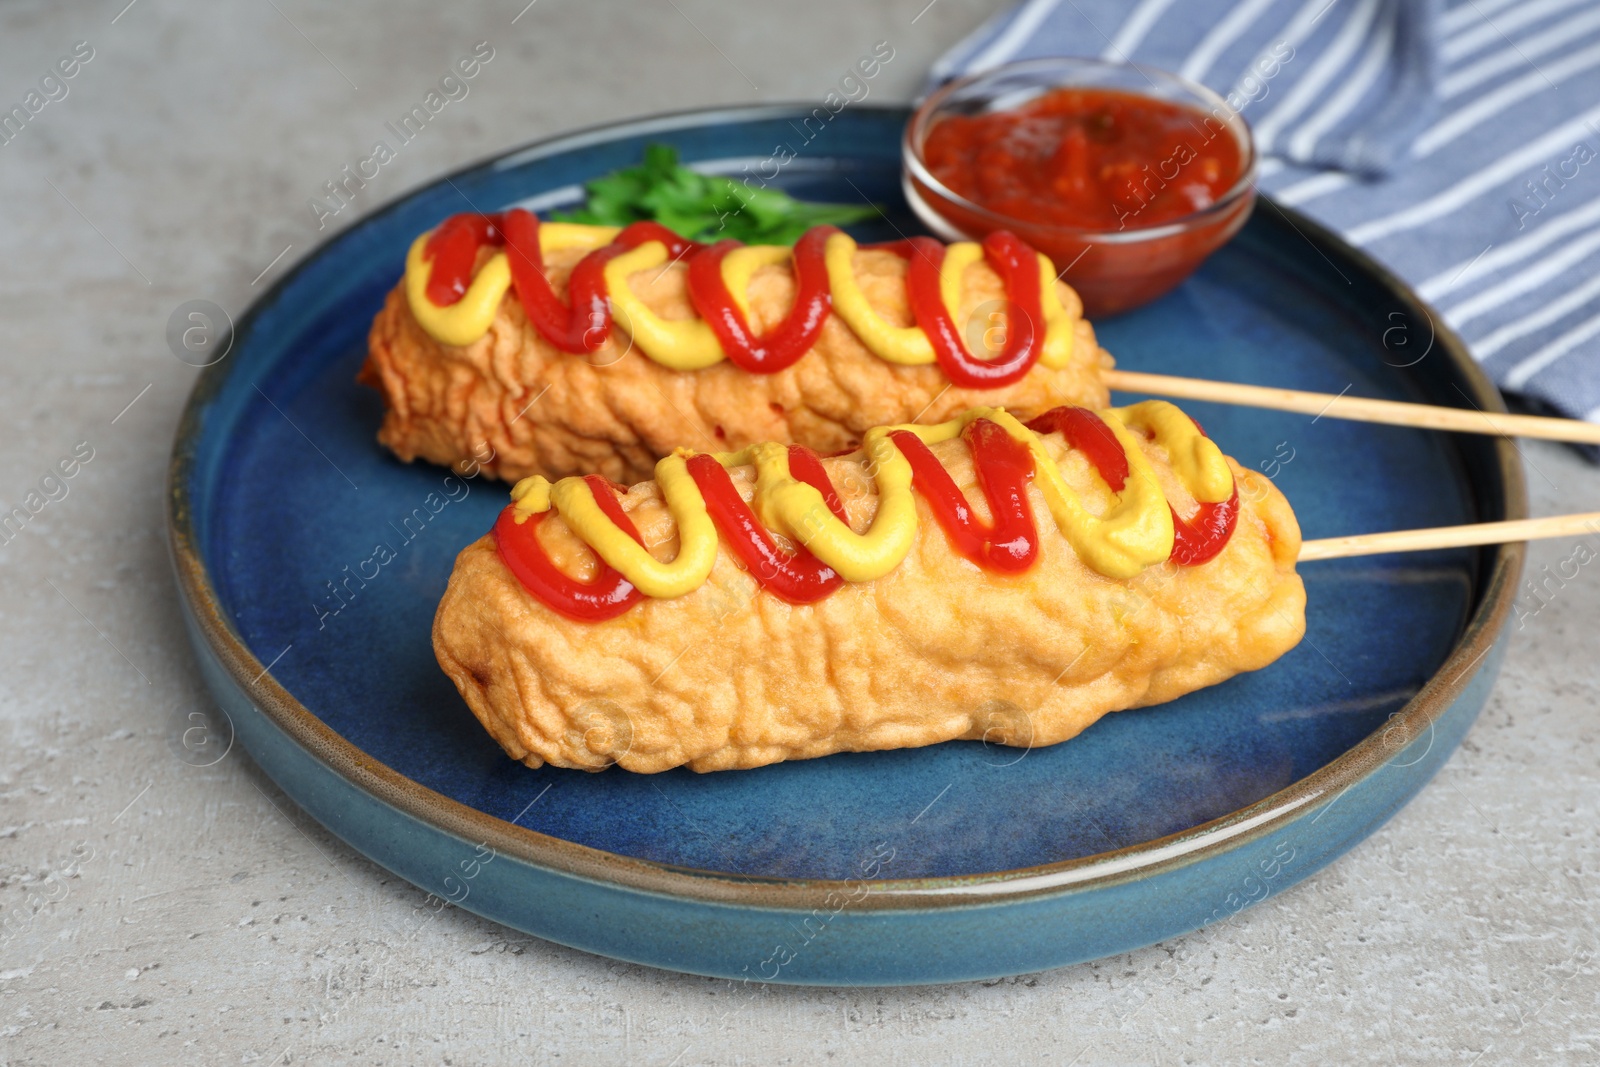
(1459, 144)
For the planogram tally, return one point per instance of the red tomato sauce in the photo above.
(1007, 544)
(1094, 159)
(583, 323)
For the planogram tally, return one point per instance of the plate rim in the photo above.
(1082, 874)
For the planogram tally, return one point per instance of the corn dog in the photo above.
(977, 579)
(517, 347)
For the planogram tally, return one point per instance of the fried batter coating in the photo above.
(514, 405)
(939, 649)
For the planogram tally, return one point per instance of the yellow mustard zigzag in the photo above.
(1135, 533)
(689, 344)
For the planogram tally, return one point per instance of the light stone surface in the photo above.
(207, 920)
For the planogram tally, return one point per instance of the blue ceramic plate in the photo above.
(957, 861)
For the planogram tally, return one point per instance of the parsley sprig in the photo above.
(703, 207)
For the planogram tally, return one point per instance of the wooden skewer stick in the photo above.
(1481, 533)
(1359, 409)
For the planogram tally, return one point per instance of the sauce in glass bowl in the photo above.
(1126, 177)
(1092, 158)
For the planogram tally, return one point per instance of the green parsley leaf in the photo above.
(702, 207)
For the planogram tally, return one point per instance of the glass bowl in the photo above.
(1112, 270)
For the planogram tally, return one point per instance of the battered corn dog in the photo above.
(469, 376)
(748, 608)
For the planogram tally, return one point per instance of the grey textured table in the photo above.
(160, 912)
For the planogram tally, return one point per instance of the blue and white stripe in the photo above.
(1459, 144)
